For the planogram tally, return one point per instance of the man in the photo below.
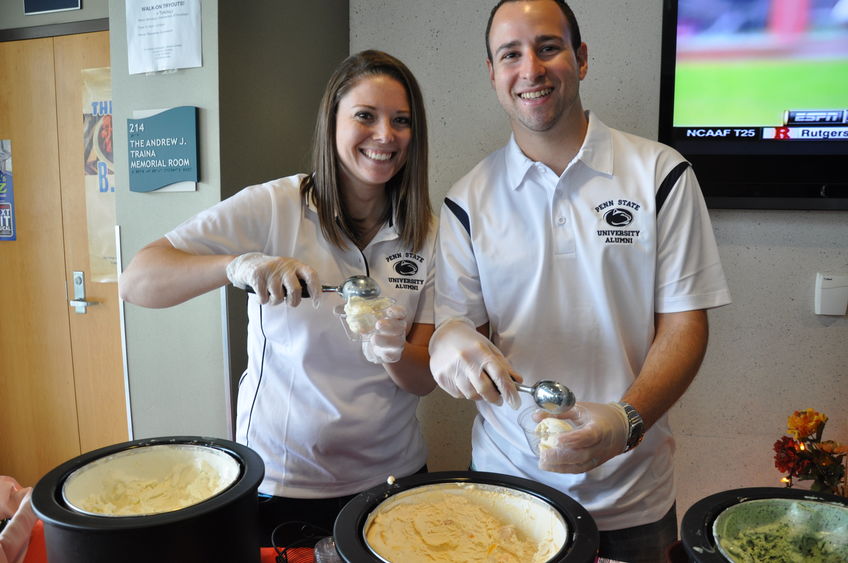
(582, 254)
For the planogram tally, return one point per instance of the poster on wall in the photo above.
(99, 169)
(7, 193)
(163, 150)
(163, 35)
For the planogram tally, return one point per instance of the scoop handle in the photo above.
(304, 292)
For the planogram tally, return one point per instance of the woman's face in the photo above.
(373, 131)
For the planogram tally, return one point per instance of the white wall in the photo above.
(769, 354)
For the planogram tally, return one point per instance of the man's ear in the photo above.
(491, 72)
(583, 60)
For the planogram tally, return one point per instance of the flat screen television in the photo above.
(754, 93)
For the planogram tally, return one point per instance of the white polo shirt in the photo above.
(326, 421)
(569, 272)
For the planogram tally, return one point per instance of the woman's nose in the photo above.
(383, 131)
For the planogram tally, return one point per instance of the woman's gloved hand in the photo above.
(273, 279)
(466, 364)
(386, 344)
(600, 434)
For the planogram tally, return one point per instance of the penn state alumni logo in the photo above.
(618, 214)
(406, 265)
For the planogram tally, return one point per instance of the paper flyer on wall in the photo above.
(163, 35)
(7, 193)
(99, 174)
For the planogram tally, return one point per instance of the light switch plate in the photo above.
(831, 293)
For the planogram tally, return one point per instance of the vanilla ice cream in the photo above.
(126, 496)
(362, 314)
(465, 522)
(150, 480)
(549, 430)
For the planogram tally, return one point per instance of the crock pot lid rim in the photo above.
(53, 511)
(696, 525)
(581, 541)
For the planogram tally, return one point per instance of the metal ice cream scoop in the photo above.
(354, 286)
(551, 396)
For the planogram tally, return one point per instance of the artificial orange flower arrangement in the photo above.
(804, 456)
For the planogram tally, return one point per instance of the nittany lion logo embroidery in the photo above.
(406, 267)
(618, 217)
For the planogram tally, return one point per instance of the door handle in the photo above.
(79, 302)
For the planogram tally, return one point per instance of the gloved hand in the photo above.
(14, 539)
(386, 344)
(273, 279)
(600, 434)
(11, 494)
(466, 364)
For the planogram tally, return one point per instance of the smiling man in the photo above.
(581, 254)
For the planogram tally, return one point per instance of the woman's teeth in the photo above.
(534, 95)
(377, 155)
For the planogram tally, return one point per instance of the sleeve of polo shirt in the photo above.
(458, 292)
(689, 272)
(236, 225)
(424, 312)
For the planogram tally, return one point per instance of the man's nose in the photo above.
(532, 67)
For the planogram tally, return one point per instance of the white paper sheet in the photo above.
(163, 35)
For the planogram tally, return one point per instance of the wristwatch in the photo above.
(635, 426)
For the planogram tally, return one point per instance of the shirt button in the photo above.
(560, 220)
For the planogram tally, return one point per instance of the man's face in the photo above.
(534, 69)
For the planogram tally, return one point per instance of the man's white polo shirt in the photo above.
(569, 272)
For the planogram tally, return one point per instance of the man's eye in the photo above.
(509, 55)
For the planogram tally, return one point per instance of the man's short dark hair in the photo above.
(573, 28)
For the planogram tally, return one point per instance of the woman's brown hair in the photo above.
(407, 191)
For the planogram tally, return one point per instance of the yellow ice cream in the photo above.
(549, 430)
(363, 314)
(465, 523)
(184, 486)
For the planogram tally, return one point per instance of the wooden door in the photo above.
(61, 376)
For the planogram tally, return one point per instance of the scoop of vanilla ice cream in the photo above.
(362, 314)
(549, 429)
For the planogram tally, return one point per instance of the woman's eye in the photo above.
(404, 121)
(363, 116)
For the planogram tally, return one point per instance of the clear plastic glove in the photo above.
(600, 434)
(466, 364)
(386, 344)
(14, 539)
(11, 494)
(273, 279)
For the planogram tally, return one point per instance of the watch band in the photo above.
(636, 426)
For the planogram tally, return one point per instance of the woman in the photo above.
(328, 418)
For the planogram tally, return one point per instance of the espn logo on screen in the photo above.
(815, 117)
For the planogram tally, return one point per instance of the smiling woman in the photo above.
(330, 416)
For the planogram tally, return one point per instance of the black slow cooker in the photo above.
(696, 528)
(220, 528)
(581, 544)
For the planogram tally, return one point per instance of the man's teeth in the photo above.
(534, 95)
(378, 155)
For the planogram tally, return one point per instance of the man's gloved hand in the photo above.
(386, 344)
(273, 279)
(600, 434)
(466, 364)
